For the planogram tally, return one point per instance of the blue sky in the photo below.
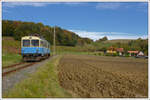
(116, 20)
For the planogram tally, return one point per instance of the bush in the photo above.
(115, 54)
(111, 54)
(126, 55)
(100, 54)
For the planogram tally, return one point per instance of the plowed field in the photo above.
(104, 77)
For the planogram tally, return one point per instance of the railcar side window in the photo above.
(41, 43)
(26, 43)
(35, 43)
(44, 44)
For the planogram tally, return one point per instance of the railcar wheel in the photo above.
(25, 59)
(37, 59)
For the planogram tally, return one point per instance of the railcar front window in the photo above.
(35, 43)
(26, 43)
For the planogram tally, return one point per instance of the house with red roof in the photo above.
(120, 51)
(133, 53)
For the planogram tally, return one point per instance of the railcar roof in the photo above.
(33, 37)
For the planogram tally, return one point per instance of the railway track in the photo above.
(13, 68)
(13, 65)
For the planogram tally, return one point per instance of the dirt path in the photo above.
(12, 79)
(91, 76)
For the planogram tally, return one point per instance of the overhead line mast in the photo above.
(54, 40)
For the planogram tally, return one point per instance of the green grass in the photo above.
(9, 59)
(10, 50)
(80, 53)
(41, 84)
(9, 45)
(7, 41)
(69, 49)
(119, 40)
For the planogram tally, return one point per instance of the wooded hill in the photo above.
(18, 29)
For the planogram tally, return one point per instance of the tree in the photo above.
(102, 39)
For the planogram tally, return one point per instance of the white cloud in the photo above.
(143, 7)
(6, 11)
(116, 5)
(34, 4)
(112, 6)
(39, 4)
(73, 3)
(110, 35)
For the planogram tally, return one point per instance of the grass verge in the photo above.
(41, 84)
(9, 59)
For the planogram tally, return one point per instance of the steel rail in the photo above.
(19, 68)
(14, 65)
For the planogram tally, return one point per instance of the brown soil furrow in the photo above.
(89, 76)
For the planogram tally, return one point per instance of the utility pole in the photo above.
(54, 41)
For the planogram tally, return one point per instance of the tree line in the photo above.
(18, 29)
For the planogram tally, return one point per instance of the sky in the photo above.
(116, 20)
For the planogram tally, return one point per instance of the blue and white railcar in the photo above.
(34, 48)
